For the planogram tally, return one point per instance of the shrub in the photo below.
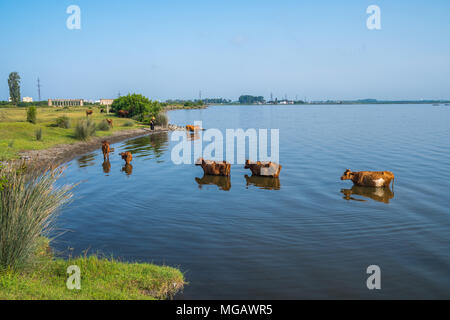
(161, 119)
(103, 126)
(85, 129)
(136, 104)
(28, 207)
(11, 144)
(31, 115)
(63, 122)
(128, 124)
(38, 134)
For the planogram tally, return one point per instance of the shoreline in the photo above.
(59, 154)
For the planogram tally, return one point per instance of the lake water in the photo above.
(307, 235)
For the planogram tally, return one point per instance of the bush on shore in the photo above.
(38, 134)
(85, 129)
(161, 119)
(29, 203)
(31, 115)
(63, 122)
(103, 126)
(137, 106)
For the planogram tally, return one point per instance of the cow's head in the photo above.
(348, 175)
(247, 164)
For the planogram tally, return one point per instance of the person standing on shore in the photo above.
(152, 123)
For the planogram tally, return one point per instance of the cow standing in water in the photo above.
(105, 149)
(127, 156)
(380, 179)
(263, 169)
(213, 168)
(192, 128)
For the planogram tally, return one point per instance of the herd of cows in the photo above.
(269, 169)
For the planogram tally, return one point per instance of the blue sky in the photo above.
(173, 49)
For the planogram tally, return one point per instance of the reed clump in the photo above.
(29, 204)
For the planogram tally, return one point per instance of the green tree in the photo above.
(14, 87)
(137, 105)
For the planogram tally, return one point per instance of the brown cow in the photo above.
(369, 178)
(89, 113)
(127, 156)
(110, 122)
(123, 113)
(264, 169)
(214, 168)
(191, 128)
(106, 149)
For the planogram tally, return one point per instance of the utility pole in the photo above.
(39, 89)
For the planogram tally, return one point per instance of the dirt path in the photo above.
(65, 152)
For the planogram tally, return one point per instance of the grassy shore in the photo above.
(101, 279)
(16, 134)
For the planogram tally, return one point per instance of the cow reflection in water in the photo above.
(224, 183)
(106, 166)
(267, 183)
(192, 136)
(378, 194)
(128, 169)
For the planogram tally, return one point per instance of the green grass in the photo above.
(14, 128)
(101, 279)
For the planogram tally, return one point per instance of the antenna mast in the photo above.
(39, 88)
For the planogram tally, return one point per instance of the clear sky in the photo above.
(173, 49)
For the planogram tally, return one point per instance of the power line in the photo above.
(39, 88)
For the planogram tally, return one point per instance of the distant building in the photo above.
(65, 102)
(106, 102)
(27, 99)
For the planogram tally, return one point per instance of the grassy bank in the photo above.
(16, 134)
(101, 279)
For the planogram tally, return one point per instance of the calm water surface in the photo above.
(307, 235)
